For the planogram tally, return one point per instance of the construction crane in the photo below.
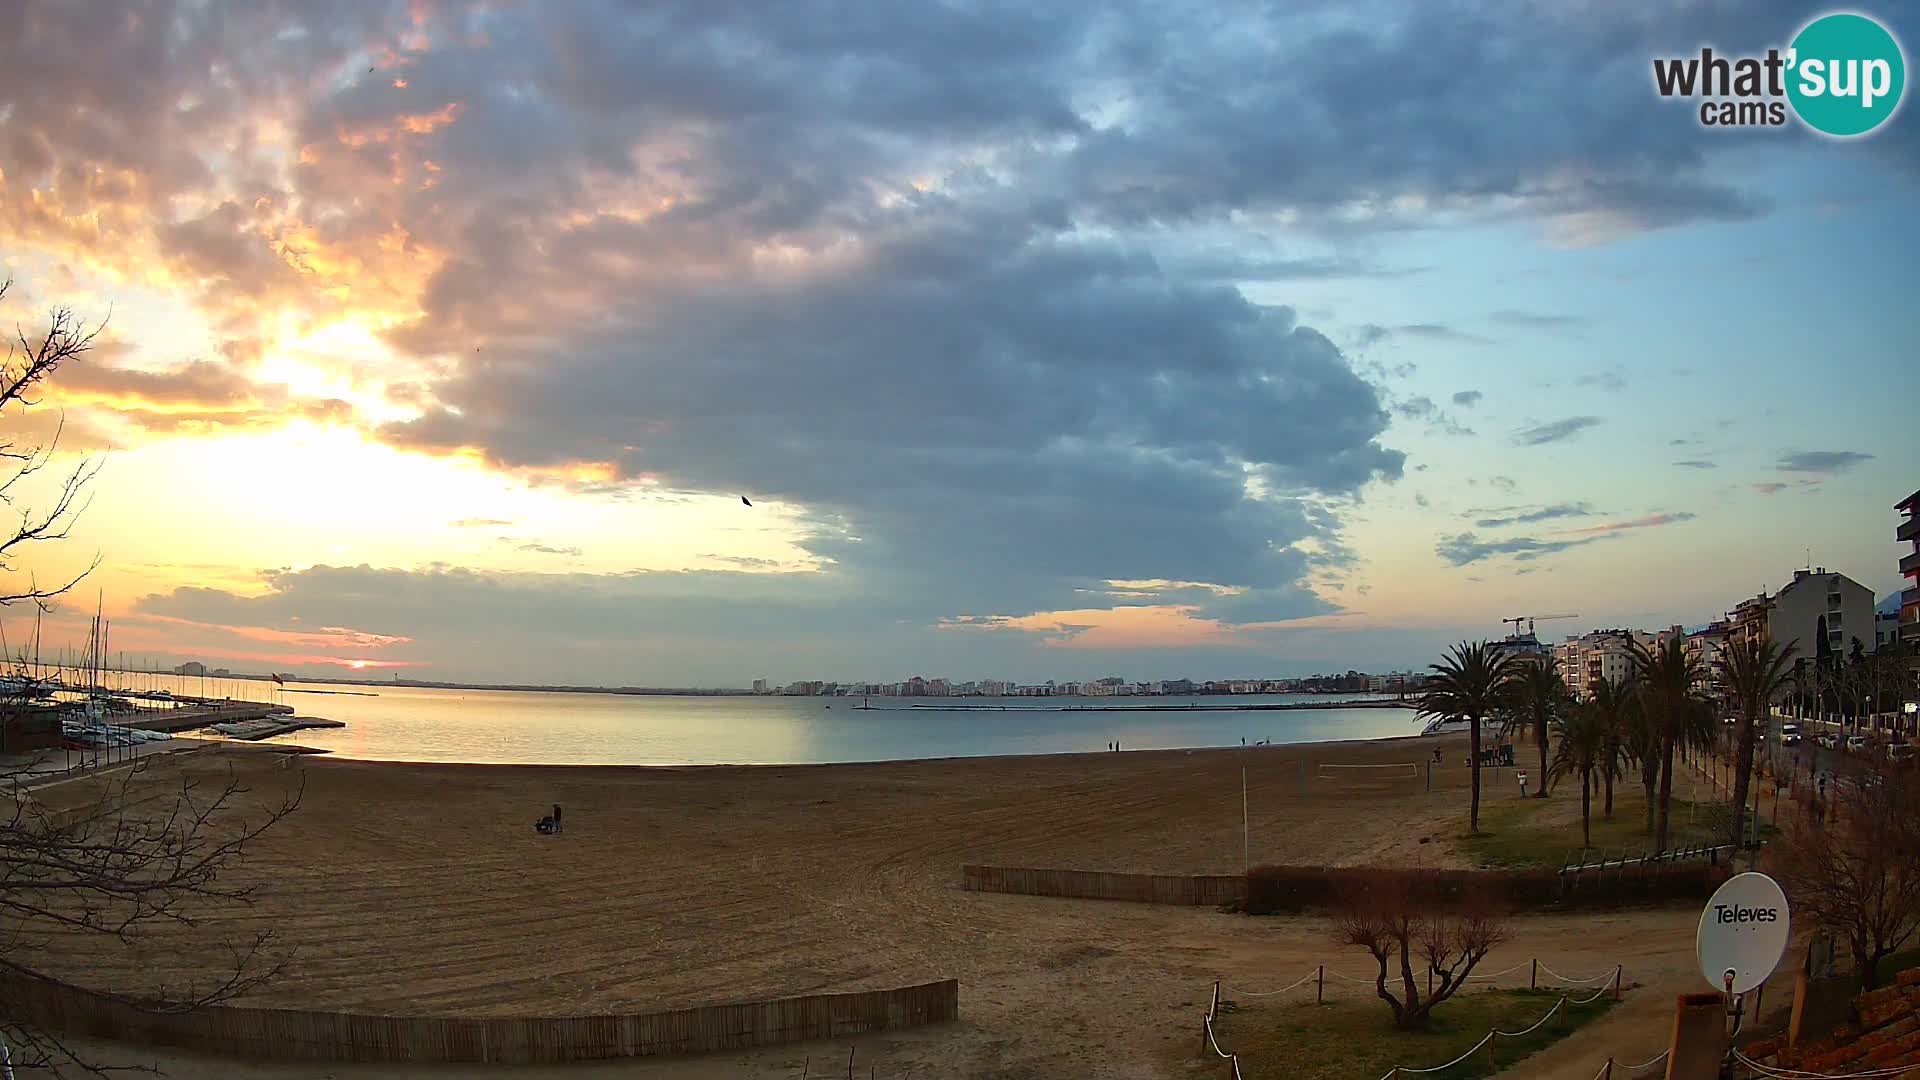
(1531, 619)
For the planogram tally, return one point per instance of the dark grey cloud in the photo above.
(1530, 320)
(1556, 431)
(1822, 462)
(1467, 547)
(1695, 463)
(1467, 399)
(1545, 513)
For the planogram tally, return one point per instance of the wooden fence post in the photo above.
(1320, 991)
(1617, 969)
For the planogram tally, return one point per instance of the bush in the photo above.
(1275, 890)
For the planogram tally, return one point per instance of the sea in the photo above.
(404, 723)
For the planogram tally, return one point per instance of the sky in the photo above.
(1046, 341)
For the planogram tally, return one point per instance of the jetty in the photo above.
(191, 714)
(267, 727)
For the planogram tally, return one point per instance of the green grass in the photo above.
(1355, 1037)
(1518, 833)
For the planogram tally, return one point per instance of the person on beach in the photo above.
(556, 817)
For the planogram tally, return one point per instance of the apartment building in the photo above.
(1599, 656)
(1818, 606)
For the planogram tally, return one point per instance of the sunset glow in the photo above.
(450, 339)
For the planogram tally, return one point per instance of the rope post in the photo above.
(1533, 980)
(1607, 1073)
(1429, 982)
(1320, 992)
(1617, 969)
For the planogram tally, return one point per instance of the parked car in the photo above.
(1829, 741)
(1899, 753)
(1857, 744)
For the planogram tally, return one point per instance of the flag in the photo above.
(279, 680)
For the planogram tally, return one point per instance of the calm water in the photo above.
(409, 724)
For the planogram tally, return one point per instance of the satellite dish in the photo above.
(1743, 933)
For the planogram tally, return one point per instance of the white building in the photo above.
(1599, 656)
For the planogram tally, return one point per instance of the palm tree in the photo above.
(1668, 679)
(1581, 752)
(1641, 739)
(1469, 683)
(1537, 695)
(1752, 672)
(1614, 706)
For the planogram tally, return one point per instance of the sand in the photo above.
(423, 889)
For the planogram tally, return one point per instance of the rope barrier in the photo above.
(1655, 1060)
(1536, 1024)
(1508, 971)
(1304, 980)
(1578, 982)
(1801, 1074)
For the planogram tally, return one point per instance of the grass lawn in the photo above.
(1355, 1037)
(1519, 832)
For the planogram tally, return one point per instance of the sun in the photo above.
(359, 665)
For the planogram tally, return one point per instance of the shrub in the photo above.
(1278, 889)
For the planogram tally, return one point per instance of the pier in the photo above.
(191, 715)
(269, 726)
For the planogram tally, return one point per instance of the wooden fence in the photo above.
(289, 1034)
(1193, 890)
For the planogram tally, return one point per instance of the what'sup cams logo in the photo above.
(1843, 75)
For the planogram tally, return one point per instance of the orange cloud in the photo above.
(334, 637)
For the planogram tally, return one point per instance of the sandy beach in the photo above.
(423, 889)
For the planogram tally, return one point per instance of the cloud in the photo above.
(547, 549)
(1554, 432)
(1439, 333)
(1424, 408)
(479, 523)
(1651, 521)
(1613, 380)
(1545, 513)
(1822, 462)
(1770, 487)
(1467, 399)
(1467, 547)
(1695, 463)
(881, 268)
(1504, 483)
(1528, 320)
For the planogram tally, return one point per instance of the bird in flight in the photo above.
(744, 501)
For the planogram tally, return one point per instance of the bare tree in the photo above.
(1391, 916)
(1857, 874)
(139, 852)
(30, 361)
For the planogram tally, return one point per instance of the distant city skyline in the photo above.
(542, 344)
